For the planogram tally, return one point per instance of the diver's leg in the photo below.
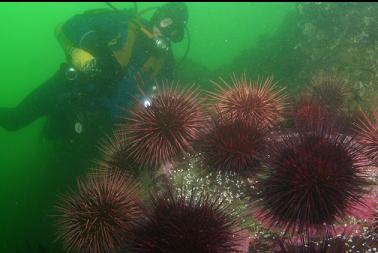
(35, 105)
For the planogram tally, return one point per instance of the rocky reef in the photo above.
(342, 38)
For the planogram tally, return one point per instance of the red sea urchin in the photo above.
(166, 127)
(330, 91)
(367, 135)
(312, 176)
(307, 109)
(259, 100)
(232, 145)
(96, 219)
(186, 222)
(114, 153)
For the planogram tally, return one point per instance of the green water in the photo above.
(29, 182)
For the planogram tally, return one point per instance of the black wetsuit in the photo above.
(71, 107)
(91, 102)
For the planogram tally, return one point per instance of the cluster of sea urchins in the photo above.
(106, 215)
(242, 114)
(309, 174)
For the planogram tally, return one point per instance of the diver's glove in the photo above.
(84, 62)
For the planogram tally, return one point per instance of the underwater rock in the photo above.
(193, 72)
(326, 243)
(343, 40)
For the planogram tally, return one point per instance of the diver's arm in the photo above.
(78, 56)
(168, 68)
(30, 109)
(88, 40)
(35, 105)
(13, 119)
(82, 40)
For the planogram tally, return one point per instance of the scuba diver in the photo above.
(107, 52)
